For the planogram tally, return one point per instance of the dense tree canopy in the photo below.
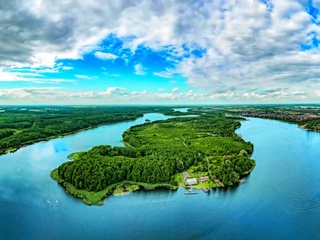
(159, 150)
(20, 126)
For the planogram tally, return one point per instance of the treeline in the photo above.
(104, 165)
(6, 133)
(21, 127)
(312, 124)
(231, 169)
(49, 128)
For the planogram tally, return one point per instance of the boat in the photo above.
(206, 190)
(190, 192)
(57, 201)
(48, 201)
(242, 181)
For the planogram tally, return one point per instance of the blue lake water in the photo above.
(280, 199)
(181, 109)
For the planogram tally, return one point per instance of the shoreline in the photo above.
(14, 149)
(297, 124)
(97, 198)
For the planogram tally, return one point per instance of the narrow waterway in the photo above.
(280, 199)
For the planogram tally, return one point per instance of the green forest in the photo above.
(155, 153)
(21, 126)
(306, 116)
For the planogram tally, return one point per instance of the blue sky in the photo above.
(172, 52)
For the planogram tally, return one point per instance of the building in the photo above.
(203, 179)
(191, 181)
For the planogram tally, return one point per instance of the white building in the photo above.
(191, 181)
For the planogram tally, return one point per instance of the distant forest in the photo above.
(20, 126)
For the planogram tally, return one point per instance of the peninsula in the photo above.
(24, 125)
(203, 151)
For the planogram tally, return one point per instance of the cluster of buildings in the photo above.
(281, 115)
(193, 181)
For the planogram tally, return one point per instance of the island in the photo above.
(202, 152)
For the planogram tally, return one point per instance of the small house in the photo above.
(191, 181)
(203, 179)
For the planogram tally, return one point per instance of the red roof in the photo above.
(204, 178)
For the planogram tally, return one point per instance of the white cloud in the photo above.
(247, 45)
(83, 76)
(113, 90)
(163, 74)
(173, 81)
(139, 70)
(58, 95)
(7, 75)
(111, 74)
(67, 68)
(105, 56)
(175, 89)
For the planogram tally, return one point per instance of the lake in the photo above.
(280, 199)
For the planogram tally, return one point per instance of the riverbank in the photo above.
(14, 149)
(302, 125)
(126, 187)
(96, 198)
(179, 178)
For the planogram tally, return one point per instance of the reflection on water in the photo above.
(279, 200)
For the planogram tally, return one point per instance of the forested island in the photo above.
(157, 155)
(24, 125)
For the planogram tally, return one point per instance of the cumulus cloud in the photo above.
(105, 56)
(58, 95)
(139, 70)
(175, 89)
(241, 44)
(114, 90)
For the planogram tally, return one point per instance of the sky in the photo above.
(159, 52)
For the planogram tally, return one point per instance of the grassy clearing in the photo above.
(74, 156)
